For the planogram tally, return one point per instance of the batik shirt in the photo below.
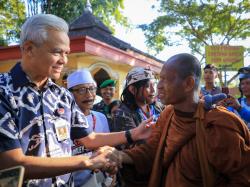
(40, 122)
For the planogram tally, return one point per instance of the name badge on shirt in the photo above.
(62, 131)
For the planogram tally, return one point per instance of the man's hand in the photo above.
(105, 159)
(233, 102)
(144, 130)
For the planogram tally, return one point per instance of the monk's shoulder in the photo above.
(165, 114)
(167, 110)
(220, 116)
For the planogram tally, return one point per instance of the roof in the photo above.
(89, 25)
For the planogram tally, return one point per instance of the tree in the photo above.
(12, 15)
(203, 22)
(107, 11)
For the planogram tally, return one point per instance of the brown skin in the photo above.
(232, 101)
(40, 63)
(145, 95)
(81, 99)
(245, 87)
(209, 77)
(175, 91)
(46, 60)
(107, 94)
(182, 94)
(96, 140)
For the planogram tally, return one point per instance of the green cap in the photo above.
(108, 82)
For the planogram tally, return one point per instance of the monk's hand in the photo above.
(112, 156)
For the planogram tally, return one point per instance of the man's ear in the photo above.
(28, 48)
(189, 83)
(132, 89)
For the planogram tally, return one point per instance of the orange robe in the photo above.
(227, 148)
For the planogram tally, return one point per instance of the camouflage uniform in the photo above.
(103, 108)
(125, 119)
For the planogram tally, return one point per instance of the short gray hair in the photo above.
(36, 28)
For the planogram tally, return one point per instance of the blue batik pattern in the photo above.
(28, 116)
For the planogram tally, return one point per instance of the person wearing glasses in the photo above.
(40, 119)
(83, 87)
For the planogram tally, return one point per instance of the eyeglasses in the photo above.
(84, 90)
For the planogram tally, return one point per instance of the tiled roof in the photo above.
(89, 25)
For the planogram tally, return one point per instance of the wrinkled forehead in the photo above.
(168, 70)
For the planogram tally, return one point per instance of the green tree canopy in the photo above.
(12, 15)
(203, 22)
(110, 12)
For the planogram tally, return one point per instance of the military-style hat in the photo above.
(108, 82)
(244, 72)
(137, 74)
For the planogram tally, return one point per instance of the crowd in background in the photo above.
(167, 137)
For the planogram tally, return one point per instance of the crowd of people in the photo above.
(174, 138)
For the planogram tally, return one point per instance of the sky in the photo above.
(140, 12)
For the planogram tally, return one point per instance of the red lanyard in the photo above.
(147, 114)
(94, 121)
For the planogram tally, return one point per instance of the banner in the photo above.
(225, 57)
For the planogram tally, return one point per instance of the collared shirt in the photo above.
(215, 90)
(40, 122)
(100, 122)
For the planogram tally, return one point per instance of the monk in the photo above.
(191, 146)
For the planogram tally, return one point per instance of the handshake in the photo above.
(107, 159)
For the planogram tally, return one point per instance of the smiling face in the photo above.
(245, 87)
(48, 59)
(84, 95)
(107, 94)
(146, 93)
(170, 86)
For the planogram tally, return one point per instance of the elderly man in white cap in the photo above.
(83, 87)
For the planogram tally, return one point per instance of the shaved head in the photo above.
(185, 65)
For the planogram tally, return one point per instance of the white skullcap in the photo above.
(82, 76)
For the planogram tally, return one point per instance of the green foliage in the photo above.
(12, 15)
(107, 11)
(201, 23)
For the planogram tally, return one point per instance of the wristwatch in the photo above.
(129, 137)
